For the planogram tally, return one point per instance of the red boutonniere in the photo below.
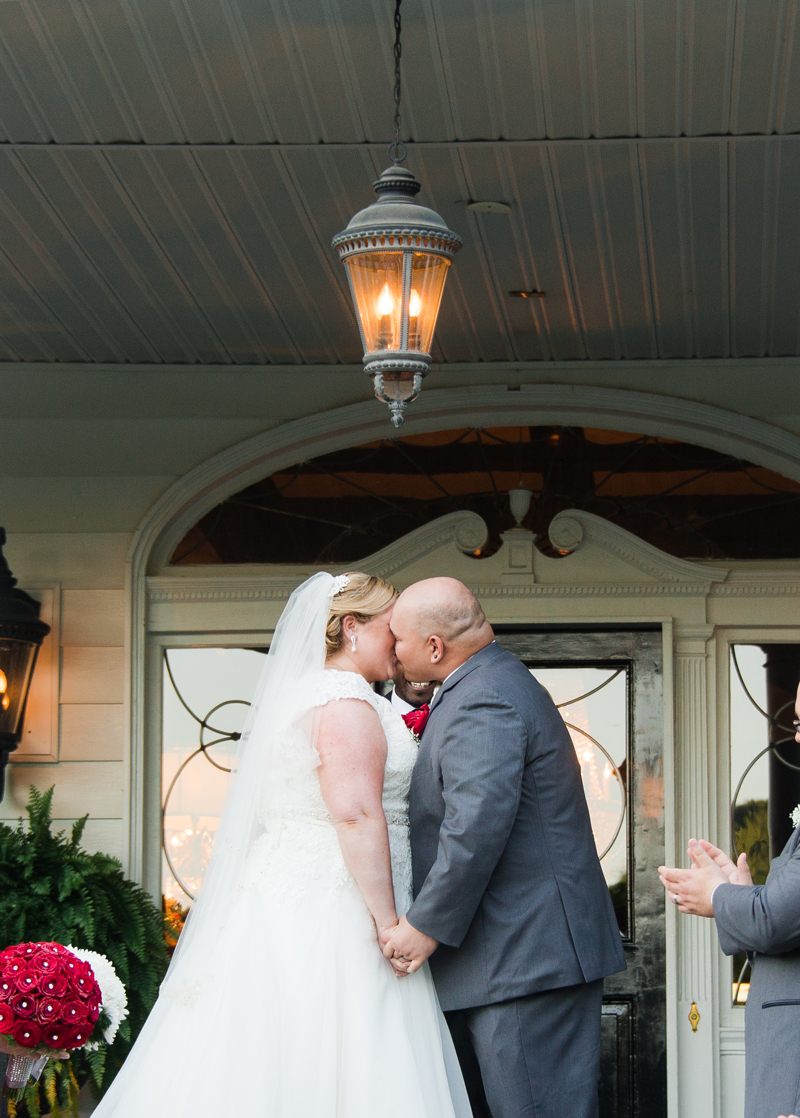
(416, 719)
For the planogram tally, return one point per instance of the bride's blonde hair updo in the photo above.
(365, 596)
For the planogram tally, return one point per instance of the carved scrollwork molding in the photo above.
(574, 528)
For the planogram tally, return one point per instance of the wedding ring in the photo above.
(674, 898)
(405, 960)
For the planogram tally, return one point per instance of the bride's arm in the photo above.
(352, 748)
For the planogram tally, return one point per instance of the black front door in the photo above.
(608, 686)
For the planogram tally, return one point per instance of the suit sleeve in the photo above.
(482, 759)
(762, 918)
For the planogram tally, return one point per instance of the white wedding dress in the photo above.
(297, 1014)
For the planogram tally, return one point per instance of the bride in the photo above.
(279, 1002)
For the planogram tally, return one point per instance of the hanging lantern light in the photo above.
(21, 635)
(396, 253)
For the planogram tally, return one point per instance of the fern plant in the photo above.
(54, 890)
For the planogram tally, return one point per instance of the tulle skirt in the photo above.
(298, 1015)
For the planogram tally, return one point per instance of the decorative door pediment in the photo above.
(597, 559)
(594, 552)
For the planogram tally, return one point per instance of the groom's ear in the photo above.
(436, 649)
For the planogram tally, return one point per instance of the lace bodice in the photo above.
(401, 749)
(300, 841)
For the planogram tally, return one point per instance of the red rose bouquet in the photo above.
(50, 1001)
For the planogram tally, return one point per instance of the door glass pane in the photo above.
(765, 782)
(193, 780)
(593, 701)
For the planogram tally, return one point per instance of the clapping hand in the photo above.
(407, 949)
(691, 890)
(737, 873)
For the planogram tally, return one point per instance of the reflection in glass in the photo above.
(749, 782)
(204, 678)
(594, 704)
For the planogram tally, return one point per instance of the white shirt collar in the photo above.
(400, 705)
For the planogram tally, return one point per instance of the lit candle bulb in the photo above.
(3, 690)
(385, 308)
(385, 303)
(414, 307)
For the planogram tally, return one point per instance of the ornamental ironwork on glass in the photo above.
(201, 727)
(764, 762)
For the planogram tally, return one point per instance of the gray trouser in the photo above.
(537, 1056)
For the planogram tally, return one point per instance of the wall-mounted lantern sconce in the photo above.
(21, 636)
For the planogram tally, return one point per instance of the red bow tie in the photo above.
(416, 719)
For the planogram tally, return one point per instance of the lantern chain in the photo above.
(397, 150)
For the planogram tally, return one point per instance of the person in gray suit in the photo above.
(509, 892)
(763, 920)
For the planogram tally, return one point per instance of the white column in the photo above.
(695, 813)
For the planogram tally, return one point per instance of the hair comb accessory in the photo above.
(339, 583)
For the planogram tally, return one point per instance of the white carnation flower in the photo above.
(795, 816)
(114, 1000)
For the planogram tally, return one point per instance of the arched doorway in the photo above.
(611, 578)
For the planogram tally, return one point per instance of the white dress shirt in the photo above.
(400, 705)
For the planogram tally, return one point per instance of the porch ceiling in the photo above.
(171, 174)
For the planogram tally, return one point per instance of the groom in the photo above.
(509, 891)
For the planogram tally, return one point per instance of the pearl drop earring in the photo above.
(353, 643)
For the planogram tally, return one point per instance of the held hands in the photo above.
(407, 949)
(384, 935)
(692, 889)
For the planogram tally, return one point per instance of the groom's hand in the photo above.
(407, 949)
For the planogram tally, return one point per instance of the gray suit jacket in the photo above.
(765, 920)
(506, 874)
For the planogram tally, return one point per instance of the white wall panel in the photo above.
(93, 787)
(92, 732)
(92, 675)
(93, 617)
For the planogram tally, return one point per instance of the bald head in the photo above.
(438, 624)
(443, 606)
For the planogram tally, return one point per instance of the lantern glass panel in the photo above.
(428, 274)
(16, 664)
(377, 279)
